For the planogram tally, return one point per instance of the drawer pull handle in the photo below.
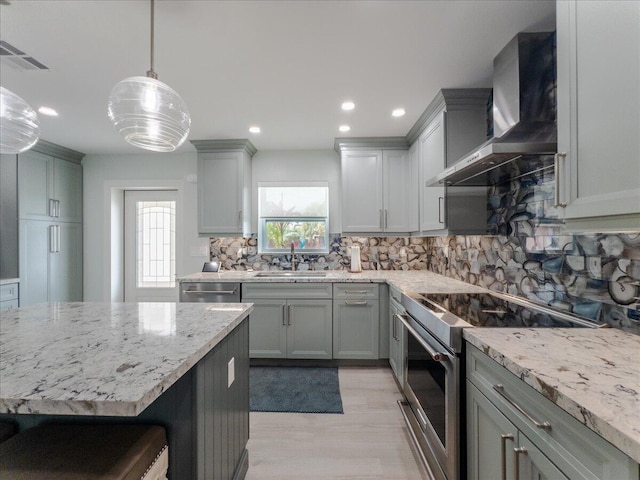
(219, 292)
(500, 389)
(516, 456)
(503, 453)
(355, 302)
(359, 292)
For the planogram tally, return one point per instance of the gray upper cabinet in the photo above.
(452, 125)
(599, 114)
(224, 187)
(50, 188)
(377, 191)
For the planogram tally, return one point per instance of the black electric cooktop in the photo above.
(499, 310)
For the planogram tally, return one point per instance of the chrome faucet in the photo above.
(293, 257)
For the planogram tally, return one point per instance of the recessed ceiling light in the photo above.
(398, 112)
(254, 129)
(344, 128)
(48, 111)
(348, 106)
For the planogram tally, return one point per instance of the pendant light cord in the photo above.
(151, 72)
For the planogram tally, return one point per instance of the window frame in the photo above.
(262, 221)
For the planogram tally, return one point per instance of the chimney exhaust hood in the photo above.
(524, 116)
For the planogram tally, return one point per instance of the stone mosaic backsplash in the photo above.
(376, 253)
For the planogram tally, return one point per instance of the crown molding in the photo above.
(225, 145)
(363, 143)
(58, 151)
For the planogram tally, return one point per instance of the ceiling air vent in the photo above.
(17, 59)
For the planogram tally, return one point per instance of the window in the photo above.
(156, 233)
(293, 213)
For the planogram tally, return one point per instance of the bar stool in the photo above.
(88, 452)
(7, 430)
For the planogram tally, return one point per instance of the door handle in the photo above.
(52, 239)
(503, 453)
(516, 456)
(557, 164)
(52, 207)
(393, 327)
(284, 315)
(440, 202)
(291, 311)
(500, 389)
(435, 356)
(57, 208)
(381, 223)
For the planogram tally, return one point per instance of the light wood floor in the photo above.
(370, 441)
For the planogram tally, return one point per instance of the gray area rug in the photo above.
(294, 389)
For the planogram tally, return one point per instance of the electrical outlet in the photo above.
(231, 371)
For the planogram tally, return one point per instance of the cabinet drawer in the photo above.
(355, 290)
(8, 305)
(8, 291)
(574, 448)
(286, 290)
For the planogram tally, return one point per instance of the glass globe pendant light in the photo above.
(19, 125)
(148, 113)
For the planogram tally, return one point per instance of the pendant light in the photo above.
(19, 125)
(148, 113)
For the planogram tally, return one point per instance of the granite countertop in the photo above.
(421, 281)
(7, 281)
(104, 358)
(592, 374)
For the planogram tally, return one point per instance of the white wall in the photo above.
(105, 177)
(299, 166)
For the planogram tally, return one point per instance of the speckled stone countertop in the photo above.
(7, 281)
(421, 281)
(104, 358)
(592, 374)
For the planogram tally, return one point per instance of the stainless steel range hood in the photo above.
(524, 115)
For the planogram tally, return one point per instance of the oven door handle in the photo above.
(435, 356)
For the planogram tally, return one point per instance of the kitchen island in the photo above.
(184, 366)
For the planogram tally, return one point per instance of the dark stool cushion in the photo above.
(7, 430)
(88, 452)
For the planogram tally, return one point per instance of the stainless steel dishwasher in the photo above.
(210, 292)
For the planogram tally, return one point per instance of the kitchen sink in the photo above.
(288, 274)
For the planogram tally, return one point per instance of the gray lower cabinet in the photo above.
(9, 296)
(396, 335)
(290, 320)
(356, 321)
(503, 442)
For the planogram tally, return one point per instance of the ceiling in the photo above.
(283, 65)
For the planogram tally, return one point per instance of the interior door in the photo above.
(150, 246)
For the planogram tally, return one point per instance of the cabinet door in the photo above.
(432, 162)
(355, 329)
(396, 190)
(490, 439)
(36, 241)
(362, 191)
(309, 327)
(220, 193)
(35, 185)
(599, 51)
(533, 464)
(67, 190)
(267, 328)
(65, 272)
